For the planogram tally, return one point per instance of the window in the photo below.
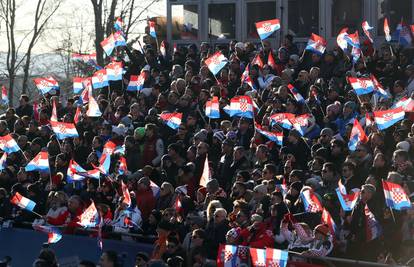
(394, 10)
(184, 22)
(258, 12)
(303, 17)
(347, 13)
(222, 21)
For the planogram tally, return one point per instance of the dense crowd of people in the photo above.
(253, 198)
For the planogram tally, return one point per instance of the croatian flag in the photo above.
(3, 161)
(404, 33)
(387, 30)
(407, 103)
(39, 163)
(120, 150)
(356, 54)
(212, 108)
(8, 144)
(152, 31)
(258, 61)
(77, 116)
(54, 116)
(74, 172)
(178, 206)
(109, 147)
(299, 98)
(64, 130)
(84, 57)
(347, 201)
(155, 189)
(340, 39)
(357, 136)
(353, 39)
(119, 24)
(372, 226)
(327, 219)
(379, 89)
(267, 27)
(227, 255)
(216, 62)
(366, 28)
(300, 123)
(283, 119)
(361, 86)
(93, 108)
(123, 168)
(136, 82)
(108, 45)
(100, 79)
(77, 85)
(173, 120)
(276, 257)
(163, 50)
(271, 61)
(242, 106)
(23, 202)
(245, 78)
(4, 97)
(53, 233)
(114, 71)
(104, 164)
(90, 217)
(395, 196)
(276, 137)
(206, 175)
(258, 257)
(125, 193)
(387, 118)
(45, 85)
(316, 44)
(310, 201)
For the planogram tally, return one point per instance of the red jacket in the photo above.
(146, 202)
(260, 238)
(66, 218)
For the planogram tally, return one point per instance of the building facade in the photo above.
(216, 21)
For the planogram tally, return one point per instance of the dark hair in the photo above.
(87, 263)
(113, 257)
(271, 167)
(330, 166)
(350, 165)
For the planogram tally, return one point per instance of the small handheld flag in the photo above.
(114, 71)
(173, 120)
(361, 86)
(276, 257)
(258, 257)
(271, 61)
(395, 196)
(136, 82)
(64, 130)
(93, 108)
(89, 217)
(387, 30)
(45, 85)
(8, 144)
(212, 108)
(100, 79)
(3, 161)
(4, 97)
(123, 168)
(387, 118)
(152, 31)
(316, 44)
(298, 97)
(216, 62)
(341, 41)
(366, 28)
(22, 202)
(53, 233)
(372, 226)
(310, 201)
(206, 175)
(347, 201)
(125, 192)
(276, 137)
(39, 163)
(119, 24)
(357, 136)
(267, 27)
(407, 103)
(242, 106)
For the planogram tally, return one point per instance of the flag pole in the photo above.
(392, 212)
(34, 212)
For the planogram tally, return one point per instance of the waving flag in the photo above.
(242, 106)
(226, 256)
(125, 193)
(123, 168)
(109, 147)
(404, 34)
(8, 144)
(310, 201)
(395, 196)
(119, 24)
(372, 226)
(357, 136)
(353, 39)
(378, 88)
(316, 44)
(90, 217)
(245, 78)
(53, 233)
(276, 137)
(361, 86)
(75, 172)
(108, 45)
(387, 30)
(84, 57)
(356, 54)
(258, 257)
(327, 219)
(104, 164)
(347, 201)
(216, 62)
(299, 98)
(120, 150)
(54, 116)
(163, 49)
(178, 206)
(257, 61)
(276, 257)
(300, 123)
(283, 119)
(212, 108)
(4, 97)
(387, 118)
(93, 108)
(267, 27)
(39, 163)
(77, 116)
(173, 120)
(100, 79)
(64, 130)
(366, 28)
(152, 31)
(45, 85)
(77, 85)
(271, 61)
(114, 71)
(206, 175)
(155, 189)
(136, 82)
(3, 161)
(407, 104)
(22, 202)
(341, 41)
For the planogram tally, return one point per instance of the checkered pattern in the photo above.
(267, 27)
(363, 83)
(243, 252)
(243, 105)
(397, 195)
(259, 264)
(228, 256)
(313, 208)
(273, 264)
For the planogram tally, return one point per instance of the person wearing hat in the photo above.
(256, 235)
(322, 243)
(348, 116)
(260, 202)
(325, 137)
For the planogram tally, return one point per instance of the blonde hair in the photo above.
(212, 207)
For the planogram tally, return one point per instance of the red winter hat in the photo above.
(323, 229)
